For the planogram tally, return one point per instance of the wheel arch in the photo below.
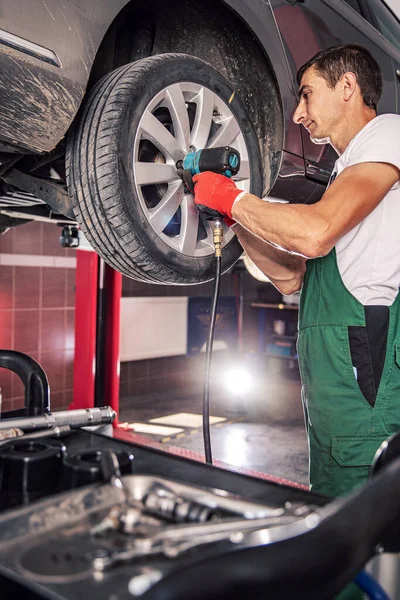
(225, 34)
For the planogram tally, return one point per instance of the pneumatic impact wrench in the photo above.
(223, 160)
(226, 161)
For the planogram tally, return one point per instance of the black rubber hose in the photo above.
(37, 390)
(207, 374)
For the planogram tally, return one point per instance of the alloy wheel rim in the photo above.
(182, 118)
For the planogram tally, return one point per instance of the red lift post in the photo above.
(90, 327)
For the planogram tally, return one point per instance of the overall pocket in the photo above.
(391, 400)
(351, 458)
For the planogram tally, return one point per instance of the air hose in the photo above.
(370, 586)
(217, 239)
(224, 160)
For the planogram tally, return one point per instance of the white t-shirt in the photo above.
(368, 256)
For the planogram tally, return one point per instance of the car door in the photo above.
(324, 23)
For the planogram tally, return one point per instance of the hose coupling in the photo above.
(218, 237)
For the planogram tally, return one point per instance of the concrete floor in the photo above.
(264, 432)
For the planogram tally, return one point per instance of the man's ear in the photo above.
(348, 84)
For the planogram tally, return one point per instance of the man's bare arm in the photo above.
(285, 270)
(313, 230)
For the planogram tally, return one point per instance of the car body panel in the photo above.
(47, 97)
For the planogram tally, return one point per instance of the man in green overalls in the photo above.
(344, 254)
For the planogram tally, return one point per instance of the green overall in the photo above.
(344, 430)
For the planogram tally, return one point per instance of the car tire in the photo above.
(129, 137)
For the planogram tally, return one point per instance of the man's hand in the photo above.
(215, 191)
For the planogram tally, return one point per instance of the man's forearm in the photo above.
(285, 270)
(293, 227)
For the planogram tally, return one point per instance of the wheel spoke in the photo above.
(150, 173)
(244, 171)
(180, 119)
(226, 134)
(203, 119)
(209, 240)
(160, 216)
(155, 131)
(189, 226)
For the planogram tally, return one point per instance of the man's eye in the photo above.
(305, 96)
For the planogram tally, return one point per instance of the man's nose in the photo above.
(299, 113)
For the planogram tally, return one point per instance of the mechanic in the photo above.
(344, 254)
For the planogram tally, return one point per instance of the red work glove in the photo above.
(228, 221)
(215, 191)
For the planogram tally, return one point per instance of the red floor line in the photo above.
(129, 436)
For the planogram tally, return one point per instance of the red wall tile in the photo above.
(7, 404)
(69, 369)
(6, 287)
(6, 329)
(7, 241)
(18, 390)
(70, 330)
(18, 403)
(53, 330)
(71, 276)
(5, 383)
(26, 332)
(27, 287)
(28, 238)
(54, 364)
(57, 400)
(68, 397)
(54, 287)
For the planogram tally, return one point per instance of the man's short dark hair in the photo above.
(332, 63)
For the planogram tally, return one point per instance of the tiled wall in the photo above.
(182, 372)
(37, 304)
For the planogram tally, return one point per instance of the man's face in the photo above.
(319, 107)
